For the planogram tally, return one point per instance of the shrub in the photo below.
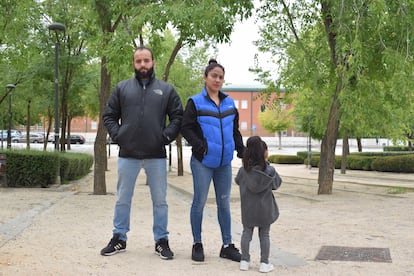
(304, 154)
(381, 153)
(31, 168)
(285, 159)
(315, 161)
(396, 148)
(36, 168)
(359, 162)
(74, 165)
(402, 163)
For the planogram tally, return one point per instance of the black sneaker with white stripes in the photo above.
(114, 246)
(163, 250)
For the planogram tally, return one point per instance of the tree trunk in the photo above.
(327, 159)
(68, 132)
(165, 76)
(345, 152)
(179, 140)
(279, 134)
(359, 143)
(62, 114)
(28, 124)
(49, 127)
(100, 165)
(99, 185)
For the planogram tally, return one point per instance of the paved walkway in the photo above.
(60, 230)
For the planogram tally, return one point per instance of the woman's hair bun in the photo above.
(212, 60)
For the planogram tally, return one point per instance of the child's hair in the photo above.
(254, 153)
(266, 155)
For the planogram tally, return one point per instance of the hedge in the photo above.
(34, 168)
(402, 163)
(285, 159)
(399, 163)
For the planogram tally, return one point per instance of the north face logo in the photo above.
(157, 91)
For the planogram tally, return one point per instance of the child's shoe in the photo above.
(264, 267)
(244, 265)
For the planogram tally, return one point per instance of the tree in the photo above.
(350, 63)
(276, 119)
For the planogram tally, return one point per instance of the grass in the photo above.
(400, 190)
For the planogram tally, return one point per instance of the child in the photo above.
(256, 180)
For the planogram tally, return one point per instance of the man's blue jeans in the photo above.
(156, 171)
(202, 176)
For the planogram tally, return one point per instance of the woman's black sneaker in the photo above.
(197, 253)
(230, 252)
(114, 246)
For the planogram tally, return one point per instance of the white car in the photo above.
(34, 138)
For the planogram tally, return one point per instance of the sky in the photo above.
(238, 55)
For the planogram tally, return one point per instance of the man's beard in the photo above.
(146, 75)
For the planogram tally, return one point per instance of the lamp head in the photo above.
(10, 86)
(57, 27)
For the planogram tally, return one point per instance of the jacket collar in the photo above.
(221, 94)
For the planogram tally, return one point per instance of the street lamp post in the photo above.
(9, 87)
(57, 27)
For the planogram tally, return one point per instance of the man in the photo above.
(135, 117)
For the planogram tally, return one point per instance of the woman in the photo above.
(211, 126)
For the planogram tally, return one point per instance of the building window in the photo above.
(243, 125)
(236, 103)
(244, 104)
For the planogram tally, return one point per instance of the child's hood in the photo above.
(257, 181)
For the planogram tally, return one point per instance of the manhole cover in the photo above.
(355, 254)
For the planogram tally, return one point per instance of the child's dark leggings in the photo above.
(264, 243)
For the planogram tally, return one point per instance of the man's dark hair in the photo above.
(141, 48)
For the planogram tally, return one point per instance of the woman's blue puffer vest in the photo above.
(217, 126)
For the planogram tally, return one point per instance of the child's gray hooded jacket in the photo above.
(258, 204)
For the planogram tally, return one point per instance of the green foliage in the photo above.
(74, 165)
(285, 159)
(275, 118)
(399, 190)
(33, 168)
(315, 161)
(304, 154)
(384, 162)
(372, 52)
(396, 148)
(355, 162)
(402, 163)
(381, 153)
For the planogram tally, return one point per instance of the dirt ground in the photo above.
(55, 232)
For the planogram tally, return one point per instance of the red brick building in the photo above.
(84, 125)
(249, 104)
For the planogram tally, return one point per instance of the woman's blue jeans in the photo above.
(156, 171)
(202, 176)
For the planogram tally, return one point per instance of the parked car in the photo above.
(77, 139)
(14, 134)
(33, 138)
